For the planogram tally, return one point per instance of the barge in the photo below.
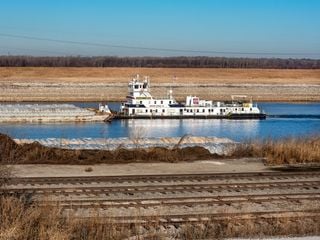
(10, 113)
(141, 104)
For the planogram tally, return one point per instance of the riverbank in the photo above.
(274, 152)
(110, 84)
(186, 197)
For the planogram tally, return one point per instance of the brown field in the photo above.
(109, 84)
(163, 75)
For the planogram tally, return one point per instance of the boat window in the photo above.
(250, 109)
(136, 86)
(191, 110)
(146, 110)
(140, 102)
(242, 109)
(236, 109)
(203, 110)
(163, 110)
(156, 110)
(161, 102)
(169, 102)
(197, 110)
(155, 102)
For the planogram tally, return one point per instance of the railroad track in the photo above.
(213, 202)
(181, 194)
(181, 201)
(165, 189)
(165, 178)
(211, 218)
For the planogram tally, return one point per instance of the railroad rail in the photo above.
(218, 187)
(166, 177)
(287, 194)
(177, 220)
(181, 201)
(145, 203)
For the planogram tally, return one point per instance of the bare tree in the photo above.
(137, 135)
(172, 62)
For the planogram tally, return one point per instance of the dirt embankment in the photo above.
(34, 153)
(276, 152)
(110, 84)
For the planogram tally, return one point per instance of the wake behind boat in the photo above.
(141, 104)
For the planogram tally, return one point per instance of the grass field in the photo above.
(163, 75)
(110, 84)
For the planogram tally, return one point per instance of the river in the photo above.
(284, 120)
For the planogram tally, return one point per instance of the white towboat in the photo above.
(141, 104)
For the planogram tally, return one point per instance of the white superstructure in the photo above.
(141, 104)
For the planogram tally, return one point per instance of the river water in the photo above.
(284, 120)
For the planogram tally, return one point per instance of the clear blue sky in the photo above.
(276, 27)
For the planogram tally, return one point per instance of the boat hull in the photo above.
(230, 116)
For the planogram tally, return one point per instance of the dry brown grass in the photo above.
(20, 221)
(109, 84)
(161, 75)
(284, 151)
(6, 163)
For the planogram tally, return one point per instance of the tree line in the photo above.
(165, 62)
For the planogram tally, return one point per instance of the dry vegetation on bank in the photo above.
(35, 153)
(284, 151)
(20, 220)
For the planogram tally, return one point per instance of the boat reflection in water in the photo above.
(196, 127)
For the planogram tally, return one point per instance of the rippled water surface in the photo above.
(283, 120)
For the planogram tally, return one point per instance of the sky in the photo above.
(231, 28)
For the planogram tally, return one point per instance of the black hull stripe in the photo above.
(231, 116)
